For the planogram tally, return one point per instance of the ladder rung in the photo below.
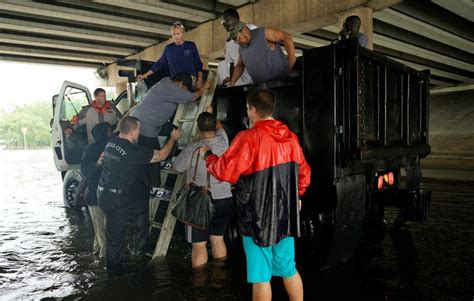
(170, 171)
(186, 120)
(156, 225)
(162, 199)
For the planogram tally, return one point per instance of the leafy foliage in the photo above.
(35, 117)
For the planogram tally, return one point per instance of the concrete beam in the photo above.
(56, 54)
(420, 52)
(422, 61)
(63, 44)
(458, 88)
(309, 41)
(464, 8)
(236, 3)
(411, 24)
(437, 16)
(74, 32)
(78, 15)
(90, 5)
(162, 8)
(377, 5)
(435, 71)
(418, 39)
(440, 83)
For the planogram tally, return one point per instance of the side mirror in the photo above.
(53, 101)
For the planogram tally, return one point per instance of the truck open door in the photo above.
(67, 149)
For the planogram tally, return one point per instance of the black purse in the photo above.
(193, 203)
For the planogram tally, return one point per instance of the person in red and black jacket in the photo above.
(268, 167)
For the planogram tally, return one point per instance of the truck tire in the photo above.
(71, 183)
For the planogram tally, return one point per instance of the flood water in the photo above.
(45, 252)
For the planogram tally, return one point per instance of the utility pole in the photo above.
(24, 130)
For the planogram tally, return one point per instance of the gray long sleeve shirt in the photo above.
(159, 105)
(218, 145)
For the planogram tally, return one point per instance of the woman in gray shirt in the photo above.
(213, 135)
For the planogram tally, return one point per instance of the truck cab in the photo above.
(72, 97)
(67, 149)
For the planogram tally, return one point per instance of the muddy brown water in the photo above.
(45, 252)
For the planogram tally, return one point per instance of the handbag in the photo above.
(193, 202)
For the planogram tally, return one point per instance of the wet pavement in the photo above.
(45, 252)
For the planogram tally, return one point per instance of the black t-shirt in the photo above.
(121, 162)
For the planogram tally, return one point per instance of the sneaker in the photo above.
(166, 164)
(160, 192)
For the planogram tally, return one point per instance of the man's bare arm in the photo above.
(238, 70)
(162, 154)
(199, 92)
(277, 36)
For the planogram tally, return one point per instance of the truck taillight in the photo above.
(380, 183)
(391, 179)
(385, 180)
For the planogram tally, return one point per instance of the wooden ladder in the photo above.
(162, 222)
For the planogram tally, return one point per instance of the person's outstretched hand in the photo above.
(176, 134)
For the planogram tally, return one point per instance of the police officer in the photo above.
(122, 159)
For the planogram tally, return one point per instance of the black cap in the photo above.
(185, 78)
(230, 18)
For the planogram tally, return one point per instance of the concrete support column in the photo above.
(365, 15)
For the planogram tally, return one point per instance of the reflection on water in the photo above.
(33, 228)
(46, 252)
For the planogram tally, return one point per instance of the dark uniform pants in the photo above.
(139, 212)
(115, 210)
(150, 173)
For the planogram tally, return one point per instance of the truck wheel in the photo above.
(71, 182)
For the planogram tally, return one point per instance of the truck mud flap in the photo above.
(349, 219)
(417, 206)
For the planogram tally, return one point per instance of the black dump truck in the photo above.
(360, 118)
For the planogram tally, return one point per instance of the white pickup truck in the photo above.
(72, 97)
(67, 150)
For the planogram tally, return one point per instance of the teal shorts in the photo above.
(265, 262)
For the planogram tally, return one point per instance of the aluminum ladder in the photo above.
(162, 222)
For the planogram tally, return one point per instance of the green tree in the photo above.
(35, 117)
